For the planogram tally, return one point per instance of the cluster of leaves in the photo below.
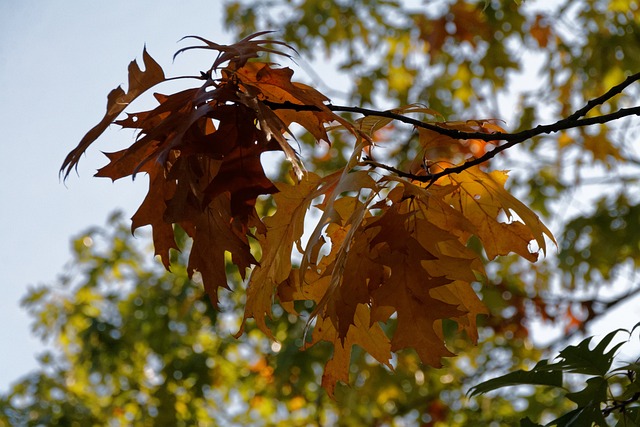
(597, 400)
(387, 249)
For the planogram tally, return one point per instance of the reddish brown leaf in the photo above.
(151, 213)
(215, 235)
(117, 101)
(241, 173)
(407, 288)
(240, 52)
(276, 86)
(354, 273)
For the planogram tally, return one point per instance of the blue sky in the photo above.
(58, 62)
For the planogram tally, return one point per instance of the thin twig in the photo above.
(573, 121)
(620, 405)
(607, 307)
(604, 98)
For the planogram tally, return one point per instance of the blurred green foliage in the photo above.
(132, 344)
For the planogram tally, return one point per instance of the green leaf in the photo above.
(539, 375)
(589, 402)
(630, 391)
(629, 418)
(633, 366)
(593, 394)
(526, 422)
(580, 417)
(581, 360)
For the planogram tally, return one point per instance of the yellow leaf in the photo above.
(462, 294)
(564, 140)
(481, 198)
(284, 228)
(601, 147)
(363, 333)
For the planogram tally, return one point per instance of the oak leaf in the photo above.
(117, 101)
(276, 86)
(214, 236)
(364, 333)
(284, 228)
(151, 212)
(240, 52)
(481, 198)
(407, 288)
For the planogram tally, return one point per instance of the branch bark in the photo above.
(575, 120)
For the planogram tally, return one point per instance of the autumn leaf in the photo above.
(203, 177)
(240, 52)
(241, 173)
(460, 294)
(446, 241)
(284, 228)
(345, 180)
(385, 267)
(371, 124)
(214, 235)
(437, 147)
(364, 333)
(481, 198)
(117, 101)
(352, 270)
(407, 288)
(153, 207)
(151, 212)
(275, 85)
(388, 260)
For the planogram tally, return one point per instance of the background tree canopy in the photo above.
(141, 346)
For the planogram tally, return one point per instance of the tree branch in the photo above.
(575, 120)
(620, 405)
(604, 98)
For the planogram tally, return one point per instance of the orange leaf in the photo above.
(407, 288)
(481, 198)
(275, 85)
(364, 333)
(541, 31)
(283, 228)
